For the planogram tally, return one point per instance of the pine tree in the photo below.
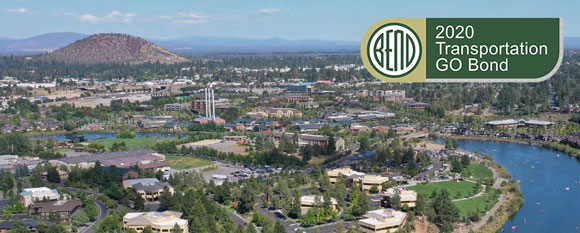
(446, 213)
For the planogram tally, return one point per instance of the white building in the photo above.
(30, 195)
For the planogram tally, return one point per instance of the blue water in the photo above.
(89, 136)
(544, 175)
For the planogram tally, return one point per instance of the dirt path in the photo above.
(501, 200)
(481, 193)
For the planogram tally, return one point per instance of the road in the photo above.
(289, 225)
(237, 219)
(102, 213)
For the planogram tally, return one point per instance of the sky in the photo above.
(257, 19)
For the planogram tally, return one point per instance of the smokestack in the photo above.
(213, 104)
(206, 103)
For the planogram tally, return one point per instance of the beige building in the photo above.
(149, 188)
(347, 172)
(368, 181)
(31, 195)
(383, 221)
(309, 201)
(158, 221)
(266, 112)
(408, 197)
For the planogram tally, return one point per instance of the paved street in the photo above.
(103, 213)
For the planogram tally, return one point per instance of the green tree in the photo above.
(176, 229)
(395, 202)
(147, 229)
(139, 202)
(52, 175)
(247, 201)
(446, 213)
(279, 228)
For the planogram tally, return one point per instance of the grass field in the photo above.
(482, 203)
(478, 171)
(64, 150)
(182, 163)
(463, 188)
(132, 143)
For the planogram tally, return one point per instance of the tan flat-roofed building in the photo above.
(158, 221)
(345, 171)
(383, 221)
(408, 197)
(309, 201)
(368, 181)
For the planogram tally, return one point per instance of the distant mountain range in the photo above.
(202, 44)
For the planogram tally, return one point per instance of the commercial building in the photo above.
(143, 158)
(149, 188)
(302, 87)
(30, 224)
(173, 107)
(511, 123)
(65, 209)
(367, 182)
(266, 112)
(309, 201)
(383, 221)
(158, 221)
(347, 172)
(407, 197)
(31, 195)
(308, 139)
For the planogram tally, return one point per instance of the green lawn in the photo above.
(465, 188)
(182, 163)
(132, 143)
(64, 150)
(482, 203)
(478, 171)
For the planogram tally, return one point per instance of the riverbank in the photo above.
(510, 201)
(571, 151)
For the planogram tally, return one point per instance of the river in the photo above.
(89, 136)
(549, 180)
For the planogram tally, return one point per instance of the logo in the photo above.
(394, 50)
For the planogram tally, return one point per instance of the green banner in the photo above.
(463, 49)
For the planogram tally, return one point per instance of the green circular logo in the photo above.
(394, 50)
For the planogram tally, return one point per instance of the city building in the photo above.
(65, 209)
(408, 197)
(158, 221)
(511, 123)
(383, 221)
(266, 112)
(347, 172)
(149, 188)
(309, 201)
(302, 87)
(31, 195)
(173, 107)
(308, 139)
(367, 182)
(30, 224)
(383, 95)
(144, 158)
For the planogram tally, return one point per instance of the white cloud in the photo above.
(17, 10)
(271, 10)
(89, 18)
(114, 16)
(190, 21)
(187, 18)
